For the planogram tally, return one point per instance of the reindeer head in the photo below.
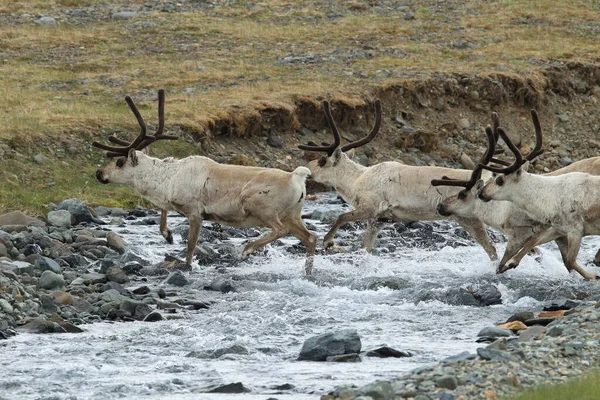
(326, 168)
(502, 186)
(130, 155)
(462, 203)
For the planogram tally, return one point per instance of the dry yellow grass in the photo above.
(68, 81)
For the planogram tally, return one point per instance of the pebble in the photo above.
(46, 21)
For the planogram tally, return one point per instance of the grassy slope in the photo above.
(587, 388)
(227, 58)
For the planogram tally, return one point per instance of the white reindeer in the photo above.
(202, 189)
(507, 217)
(389, 191)
(568, 204)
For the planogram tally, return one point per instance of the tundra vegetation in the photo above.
(232, 69)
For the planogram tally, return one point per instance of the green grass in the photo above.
(585, 388)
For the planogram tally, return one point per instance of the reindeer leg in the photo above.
(373, 228)
(355, 215)
(537, 239)
(164, 229)
(195, 228)
(277, 230)
(476, 229)
(298, 229)
(574, 240)
(512, 247)
(597, 258)
(563, 246)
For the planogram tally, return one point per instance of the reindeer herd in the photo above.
(528, 209)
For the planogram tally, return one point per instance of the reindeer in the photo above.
(385, 192)
(567, 204)
(508, 218)
(202, 189)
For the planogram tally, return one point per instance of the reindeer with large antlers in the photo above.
(389, 191)
(568, 205)
(202, 189)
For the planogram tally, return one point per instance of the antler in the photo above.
(520, 160)
(476, 174)
(372, 134)
(330, 148)
(142, 140)
(518, 157)
(537, 150)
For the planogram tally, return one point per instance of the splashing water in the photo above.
(390, 298)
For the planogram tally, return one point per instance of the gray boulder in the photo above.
(78, 209)
(47, 264)
(116, 274)
(115, 242)
(318, 348)
(60, 219)
(46, 21)
(177, 279)
(50, 280)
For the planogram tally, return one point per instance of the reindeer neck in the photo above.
(530, 197)
(346, 173)
(494, 213)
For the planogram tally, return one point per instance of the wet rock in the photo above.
(237, 387)
(60, 219)
(521, 316)
(487, 295)
(115, 242)
(220, 285)
(5, 306)
(51, 280)
(39, 325)
(79, 211)
(494, 332)
(177, 278)
(318, 348)
(132, 255)
(141, 290)
(154, 316)
(47, 264)
(344, 358)
(274, 141)
(116, 274)
(132, 268)
(82, 305)
(196, 304)
(387, 352)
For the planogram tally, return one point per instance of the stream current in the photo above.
(395, 297)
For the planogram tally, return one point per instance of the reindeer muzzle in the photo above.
(482, 197)
(441, 209)
(100, 177)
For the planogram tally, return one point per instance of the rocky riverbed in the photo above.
(99, 277)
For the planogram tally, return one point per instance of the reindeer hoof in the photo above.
(169, 238)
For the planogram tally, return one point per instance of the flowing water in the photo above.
(393, 297)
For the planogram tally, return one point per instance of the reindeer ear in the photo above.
(524, 167)
(133, 157)
(479, 185)
(351, 153)
(337, 155)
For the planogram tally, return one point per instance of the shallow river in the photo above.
(389, 298)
